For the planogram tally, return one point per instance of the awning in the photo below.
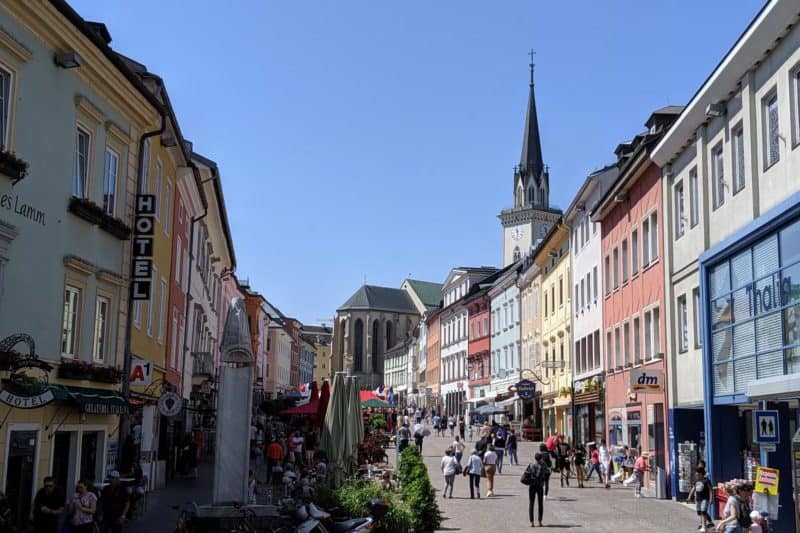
(507, 402)
(89, 400)
(488, 398)
(773, 387)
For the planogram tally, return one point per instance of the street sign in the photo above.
(526, 389)
(552, 364)
(765, 427)
(645, 380)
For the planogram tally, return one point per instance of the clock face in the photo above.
(517, 233)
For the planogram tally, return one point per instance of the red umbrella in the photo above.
(324, 398)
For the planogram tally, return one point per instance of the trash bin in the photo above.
(661, 483)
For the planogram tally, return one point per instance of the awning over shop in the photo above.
(89, 400)
(488, 398)
(507, 402)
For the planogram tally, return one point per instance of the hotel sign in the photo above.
(144, 227)
(27, 402)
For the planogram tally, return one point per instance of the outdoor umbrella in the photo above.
(490, 410)
(332, 440)
(376, 404)
(353, 427)
(355, 411)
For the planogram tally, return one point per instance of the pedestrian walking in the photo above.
(701, 493)
(419, 435)
(48, 505)
(473, 470)
(437, 421)
(403, 436)
(490, 467)
(579, 460)
(451, 425)
(462, 427)
(458, 448)
(418, 416)
(737, 518)
(481, 445)
(274, 454)
(449, 467)
(605, 463)
(297, 444)
(535, 476)
(82, 509)
(563, 452)
(511, 448)
(114, 503)
(500, 447)
(594, 460)
(548, 462)
(639, 468)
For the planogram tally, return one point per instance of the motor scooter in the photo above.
(314, 519)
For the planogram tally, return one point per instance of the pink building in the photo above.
(633, 322)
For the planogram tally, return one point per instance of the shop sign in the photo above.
(644, 380)
(141, 372)
(526, 389)
(767, 480)
(766, 429)
(143, 227)
(27, 402)
(170, 404)
(12, 202)
(103, 408)
(772, 293)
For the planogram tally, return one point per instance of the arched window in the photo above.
(358, 346)
(343, 331)
(520, 199)
(389, 340)
(531, 195)
(543, 196)
(517, 254)
(376, 331)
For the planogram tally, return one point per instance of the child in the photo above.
(701, 492)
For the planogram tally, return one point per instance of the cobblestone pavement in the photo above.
(592, 509)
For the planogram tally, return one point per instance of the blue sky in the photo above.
(378, 139)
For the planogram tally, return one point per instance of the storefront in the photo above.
(750, 292)
(557, 414)
(589, 410)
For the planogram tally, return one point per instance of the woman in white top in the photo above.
(473, 469)
(458, 449)
(449, 465)
(490, 465)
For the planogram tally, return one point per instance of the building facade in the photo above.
(433, 359)
(530, 286)
(505, 339)
(730, 198)
(479, 360)
(552, 258)
(320, 337)
(587, 312)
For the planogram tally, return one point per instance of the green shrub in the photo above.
(354, 500)
(417, 491)
(378, 422)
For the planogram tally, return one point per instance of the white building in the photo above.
(506, 338)
(730, 192)
(587, 308)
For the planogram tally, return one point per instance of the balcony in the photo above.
(202, 364)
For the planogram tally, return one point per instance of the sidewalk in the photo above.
(159, 516)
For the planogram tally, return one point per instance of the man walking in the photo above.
(500, 447)
(511, 447)
(403, 436)
(48, 505)
(538, 474)
(114, 503)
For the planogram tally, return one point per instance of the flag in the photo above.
(305, 391)
(379, 391)
(391, 395)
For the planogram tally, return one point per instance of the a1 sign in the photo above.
(141, 372)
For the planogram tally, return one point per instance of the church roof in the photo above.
(373, 297)
(428, 292)
(531, 161)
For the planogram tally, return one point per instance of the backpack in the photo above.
(743, 509)
(534, 475)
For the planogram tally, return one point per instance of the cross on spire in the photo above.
(532, 53)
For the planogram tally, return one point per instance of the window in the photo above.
(680, 215)
(69, 328)
(597, 349)
(162, 299)
(683, 324)
(650, 239)
(594, 279)
(167, 208)
(609, 348)
(634, 253)
(81, 174)
(536, 301)
(552, 299)
(637, 344)
(738, 159)
(718, 175)
(772, 151)
(624, 261)
(110, 182)
(616, 268)
(796, 89)
(178, 254)
(150, 313)
(583, 293)
(144, 183)
(626, 339)
(698, 339)
(694, 199)
(157, 189)
(5, 106)
(652, 345)
(608, 275)
(101, 315)
(617, 348)
(561, 292)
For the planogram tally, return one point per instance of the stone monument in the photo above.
(232, 460)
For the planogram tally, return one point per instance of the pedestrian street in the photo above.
(592, 509)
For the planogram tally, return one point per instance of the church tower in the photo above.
(531, 217)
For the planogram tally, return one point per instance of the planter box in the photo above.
(95, 215)
(116, 227)
(71, 373)
(14, 173)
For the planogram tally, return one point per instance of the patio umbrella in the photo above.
(332, 440)
(353, 431)
(376, 404)
(490, 410)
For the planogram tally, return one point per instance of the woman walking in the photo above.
(579, 459)
(639, 468)
(458, 449)
(594, 458)
(473, 470)
(548, 462)
(737, 511)
(511, 448)
(537, 474)
(449, 467)
(462, 427)
(490, 466)
(562, 460)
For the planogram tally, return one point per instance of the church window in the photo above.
(375, 343)
(520, 198)
(388, 335)
(531, 195)
(358, 346)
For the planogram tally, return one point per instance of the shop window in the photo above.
(102, 310)
(110, 182)
(694, 198)
(683, 324)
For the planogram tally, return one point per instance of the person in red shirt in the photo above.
(641, 466)
(594, 459)
(274, 453)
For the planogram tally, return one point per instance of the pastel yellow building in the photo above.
(552, 258)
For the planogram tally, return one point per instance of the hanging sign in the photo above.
(170, 404)
(141, 372)
(645, 380)
(767, 480)
(526, 389)
(27, 402)
(143, 227)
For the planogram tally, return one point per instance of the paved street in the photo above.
(592, 509)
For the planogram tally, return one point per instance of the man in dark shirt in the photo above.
(47, 507)
(114, 502)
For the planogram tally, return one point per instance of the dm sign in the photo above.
(526, 389)
(645, 380)
(144, 227)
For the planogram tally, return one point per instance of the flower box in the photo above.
(96, 215)
(81, 370)
(12, 166)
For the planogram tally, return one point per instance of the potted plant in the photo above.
(86, 209)
(12, 166)
(74, 369)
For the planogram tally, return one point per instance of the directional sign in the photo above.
(765, 427)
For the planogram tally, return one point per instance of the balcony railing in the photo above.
(202, 363)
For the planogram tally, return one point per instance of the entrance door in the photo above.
(92, 450)
(65, 448)
(20, 472)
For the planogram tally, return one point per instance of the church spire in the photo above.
(531, 160)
